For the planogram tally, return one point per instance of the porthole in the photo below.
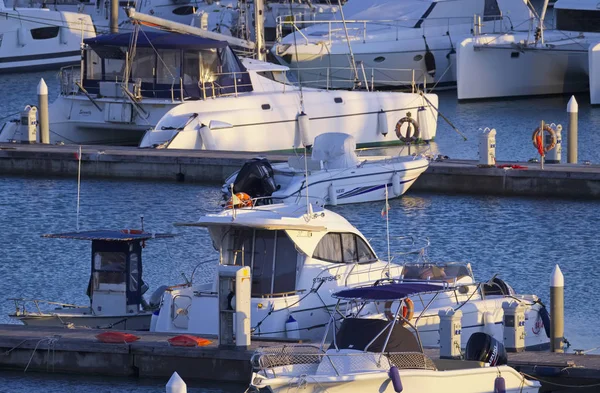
(379, 59)
(418, 58)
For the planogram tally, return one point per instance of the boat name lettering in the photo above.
(85, 113)
(327, 278)
(340, 190)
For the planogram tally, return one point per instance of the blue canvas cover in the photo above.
(393, 291)
(157, 40)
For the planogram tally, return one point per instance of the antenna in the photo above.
(78, 185)
(352, 61)
(387, 228)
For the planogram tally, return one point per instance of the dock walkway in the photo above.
(77, 351)
(448, 176)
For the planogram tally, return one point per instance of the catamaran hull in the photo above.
(472, 380)
(493, 71)
(126, 322)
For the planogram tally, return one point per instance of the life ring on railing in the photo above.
(538, 139)
(409, 137)
(408, 310)
(239, 199)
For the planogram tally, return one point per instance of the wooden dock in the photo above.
(447, 176)
(77, 351)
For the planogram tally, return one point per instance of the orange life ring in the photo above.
(243, 200)
(538, 137)
(408, 137)
(408, 310)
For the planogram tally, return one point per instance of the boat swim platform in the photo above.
(77, 351)
(201, 166)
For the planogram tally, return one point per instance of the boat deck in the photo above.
(77, 351)
(448, 176)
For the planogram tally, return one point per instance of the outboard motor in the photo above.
(484, 348)
(255, 178)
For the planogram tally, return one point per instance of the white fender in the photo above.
(207, 138)
(303, 130)
(64, 34)
(382, 123)
(424, 126)
(21, 36)
(332, 195)
(396, 186)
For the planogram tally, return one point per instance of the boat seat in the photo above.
(297, 162)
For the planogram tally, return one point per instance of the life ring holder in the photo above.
(408, 310)
(408, 138)
(539, 133)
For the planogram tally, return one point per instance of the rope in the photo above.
(560, 384)
(51, 342)
(7, 116)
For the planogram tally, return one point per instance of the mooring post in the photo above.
(450, 333)
(573, 111)
(42, 91)
(114, 16)
(176, 384)
(557, 309)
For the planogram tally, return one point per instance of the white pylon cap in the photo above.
(557, 279)
(176, 384)
(572, 106)
(42, 88)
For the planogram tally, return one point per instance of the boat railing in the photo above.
(302, 359)
(22, 305)
(360, 29)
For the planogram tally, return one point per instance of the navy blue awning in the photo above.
(394, 291)
(157, 40)
(110, 235)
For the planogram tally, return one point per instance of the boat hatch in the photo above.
(162, 65)
(271, 255)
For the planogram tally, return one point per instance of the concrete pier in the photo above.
(448, 176)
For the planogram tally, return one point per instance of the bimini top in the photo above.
(156, 40)
(395, 291)
(125, 235)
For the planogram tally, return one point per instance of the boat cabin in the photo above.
(577, 15)
(161, 65)
(115, 285)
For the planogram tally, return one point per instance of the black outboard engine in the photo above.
(255, 178)
(484, 348)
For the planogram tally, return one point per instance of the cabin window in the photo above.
(191, 68)
(279, 76)
(142, 67)
(343, 248)
(184, 10)
(271, 255)
(133, 272)
(209, 67)
(577, 20)
(109, 268)
(44, 33)
(168, 66)
(93, 66)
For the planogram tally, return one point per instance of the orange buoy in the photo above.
(187, 340)
(116, 337)
(240, 199)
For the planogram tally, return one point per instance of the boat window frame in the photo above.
(342, 254)
(44, 33)
(577, 20)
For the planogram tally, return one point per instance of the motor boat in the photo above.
(384, 356)
(40, 39)
(333, 175)
(535, 62)
(384, 39)
(298, 255)
(115, 286)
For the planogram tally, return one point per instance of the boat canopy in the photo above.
(395, 291)
(109, 235)
(162, 65)
(336, 150)
(366, 335)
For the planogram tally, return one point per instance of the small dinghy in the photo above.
(336, 175)
(115, 287)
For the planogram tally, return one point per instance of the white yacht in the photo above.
(115, 286)
(300, 255)
(39, 39)
(374, 355)
(536, 62)
(333, 175)
(384, 37)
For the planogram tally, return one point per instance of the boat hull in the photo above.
(494, 71)
(127, 322)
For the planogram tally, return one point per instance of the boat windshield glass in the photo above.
(429, 271)
(577, 20)
(271, 255)
(109, 268)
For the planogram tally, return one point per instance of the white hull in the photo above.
(489, 69)
(469, 380)
(127, 322)
(36, 39)
(594, 67)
